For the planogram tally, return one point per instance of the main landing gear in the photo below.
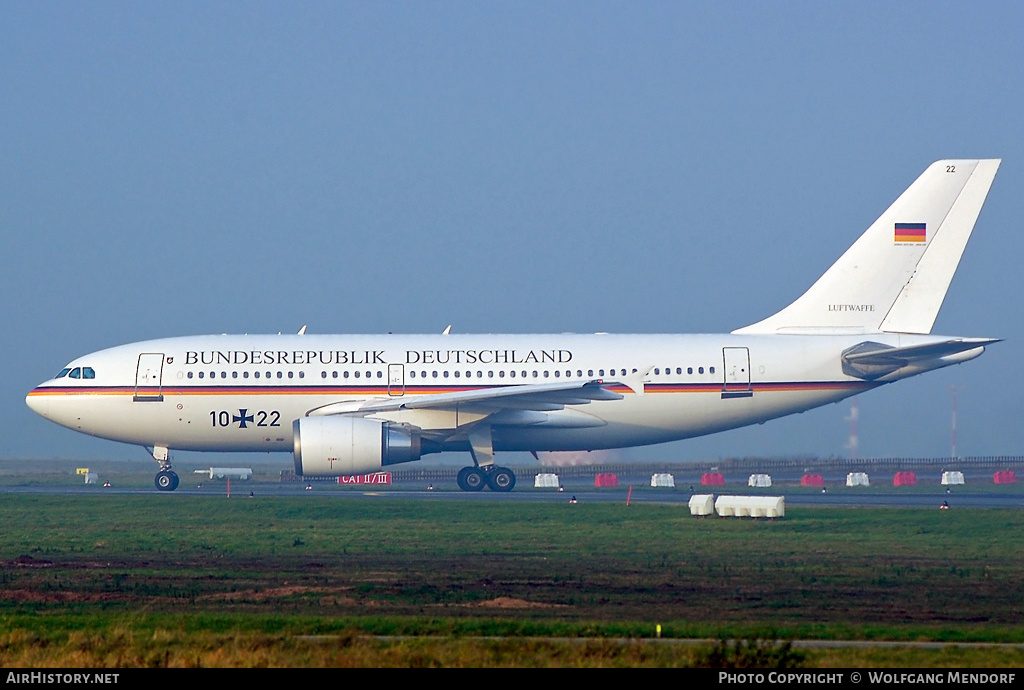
(484, 472)
(496, 478)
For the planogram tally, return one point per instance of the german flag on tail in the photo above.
(910, 232)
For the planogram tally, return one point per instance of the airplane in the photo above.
(354, 404)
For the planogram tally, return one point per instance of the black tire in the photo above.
(471, 479)
(501, 479)
(166, 480)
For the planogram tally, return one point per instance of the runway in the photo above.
(978, 496)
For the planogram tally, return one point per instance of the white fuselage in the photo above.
(242, 393)
(355, 403)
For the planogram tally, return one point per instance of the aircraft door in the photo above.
(396, 380)
(737, 373)
(149, 378)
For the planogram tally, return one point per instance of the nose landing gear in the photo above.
(166, 479)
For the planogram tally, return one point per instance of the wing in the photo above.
(542, 397)
(443, 415)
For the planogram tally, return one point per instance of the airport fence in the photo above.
(743, 465)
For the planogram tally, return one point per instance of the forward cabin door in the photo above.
(149, 378)
(396, 380)
(737, 373)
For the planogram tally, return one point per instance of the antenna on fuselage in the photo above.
(302, 331)
(447, 330)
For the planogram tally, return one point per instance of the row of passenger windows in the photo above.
(89, 373)
(545, 374)
(437, 374)
(255, 374)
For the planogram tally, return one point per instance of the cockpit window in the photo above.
(62, 374)
(78, 373)
(88, 373)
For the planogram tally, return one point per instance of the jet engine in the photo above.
(339, 445)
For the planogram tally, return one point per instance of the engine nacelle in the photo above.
(339, 445)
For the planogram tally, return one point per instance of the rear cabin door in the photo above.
(737, 373)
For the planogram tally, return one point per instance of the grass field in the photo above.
(180, 580)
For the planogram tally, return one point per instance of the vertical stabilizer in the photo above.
(894, 278)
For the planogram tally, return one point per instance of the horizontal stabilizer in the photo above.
(870, 360)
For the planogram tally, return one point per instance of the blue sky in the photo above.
(173, 168)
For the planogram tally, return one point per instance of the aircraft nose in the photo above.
(38, 403)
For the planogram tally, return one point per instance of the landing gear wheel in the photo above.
(501, 479)
(166, 480)
(471, 479)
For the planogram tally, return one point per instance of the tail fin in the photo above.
(894, 278)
